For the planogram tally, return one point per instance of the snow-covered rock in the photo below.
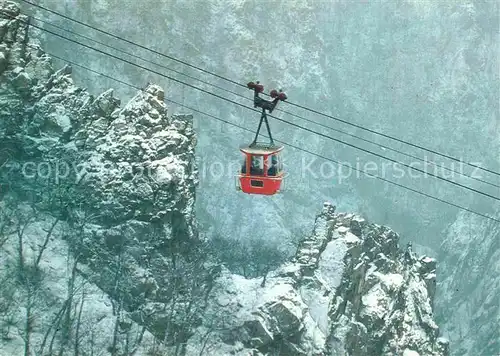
(349, 290)
(122, 179)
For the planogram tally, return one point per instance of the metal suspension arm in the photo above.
(265, 105)
(263, 117)
(268, 130)
(258, 129)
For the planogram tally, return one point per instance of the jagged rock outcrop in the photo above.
(384, 304)
(349, 290)
(122, 179)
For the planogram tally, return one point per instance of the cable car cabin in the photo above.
(262, 170)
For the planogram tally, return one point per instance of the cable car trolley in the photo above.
(262, 170)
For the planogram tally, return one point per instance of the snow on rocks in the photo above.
(124, 176)
(347, 291)
(384, 302)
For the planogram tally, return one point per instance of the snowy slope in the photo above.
(93, 315)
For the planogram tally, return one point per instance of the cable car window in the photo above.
(244, 164)
(257, 165)
(272, 164)
(280, 163)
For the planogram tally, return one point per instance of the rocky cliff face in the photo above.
(468, 303)
(120, 181)
(100, 249)
(349, 290)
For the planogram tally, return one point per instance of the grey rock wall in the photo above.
(122, 177)
(349, 290)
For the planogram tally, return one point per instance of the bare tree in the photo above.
(118, 302)
(28, 277)
(29, 280)
(8, 281)
(7, 220)
(54, 324)
(31, 299)
(45, 242)
(68, 316)
(254, 257)
(7, 306)
(78, 324)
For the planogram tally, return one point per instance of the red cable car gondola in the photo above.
(262, 171)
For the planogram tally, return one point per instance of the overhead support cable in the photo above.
(280, 110)
(242, 85)
(277, 118)
(288, 144)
